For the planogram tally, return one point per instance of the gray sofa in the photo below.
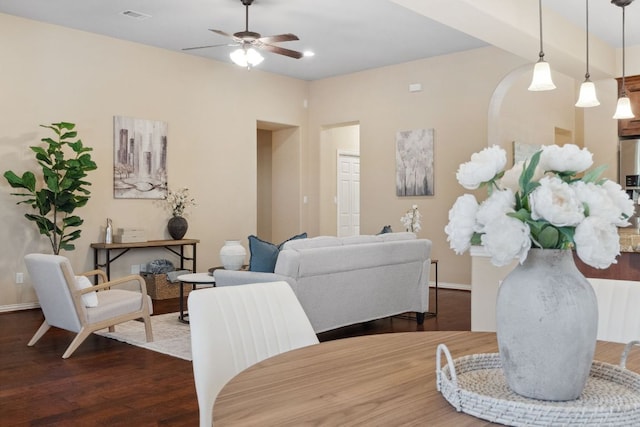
(343, 281)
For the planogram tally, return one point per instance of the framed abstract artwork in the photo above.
(414, 163)
(140, 158)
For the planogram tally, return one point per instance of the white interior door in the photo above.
(348, 194)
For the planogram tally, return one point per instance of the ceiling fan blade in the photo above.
(222, 33)
(279, 38)
(208, 46)
(280, 50)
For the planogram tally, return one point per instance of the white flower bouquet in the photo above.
(539, 203)
(411, 219)
(178, 201)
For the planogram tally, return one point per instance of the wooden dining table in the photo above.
(373, 380)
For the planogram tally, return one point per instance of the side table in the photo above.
(192, 279)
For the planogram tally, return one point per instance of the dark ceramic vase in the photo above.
(177, 227)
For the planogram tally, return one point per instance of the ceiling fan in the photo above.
(248, 39)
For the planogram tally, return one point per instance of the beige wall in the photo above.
(51, 73)
(286, 197)
(468, 111)
(453, 101)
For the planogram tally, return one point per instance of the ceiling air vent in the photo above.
(135, 15)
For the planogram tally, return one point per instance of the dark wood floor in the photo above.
(109, 383)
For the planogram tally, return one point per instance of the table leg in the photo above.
(182, 317)
(434, 262)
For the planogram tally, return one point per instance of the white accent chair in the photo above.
(618, 309)
(64, 306)
(234, 327)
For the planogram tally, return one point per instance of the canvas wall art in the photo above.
(522, 151)
(140, 158)
(414, 163)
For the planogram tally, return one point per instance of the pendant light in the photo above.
(623, 109)
(541, 71)
(587, 97)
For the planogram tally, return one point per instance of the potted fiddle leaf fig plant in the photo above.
(61, 189)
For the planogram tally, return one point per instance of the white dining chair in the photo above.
(618, 309)
(234, 327)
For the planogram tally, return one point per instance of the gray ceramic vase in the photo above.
(547, 321)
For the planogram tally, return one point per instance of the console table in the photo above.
(174, 246)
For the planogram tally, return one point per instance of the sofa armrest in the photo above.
(240, 277)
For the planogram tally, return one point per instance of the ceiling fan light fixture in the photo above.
(541, 71)
(246, 57)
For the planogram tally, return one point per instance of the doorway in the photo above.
(339, 213)
(278, 181)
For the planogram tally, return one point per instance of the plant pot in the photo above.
(177, 227)
(232, 255)
(546, 324)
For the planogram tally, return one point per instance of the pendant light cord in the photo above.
(624, 89)
(587, 75)
(541, 54)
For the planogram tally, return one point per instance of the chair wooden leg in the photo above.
(39, 333)
(147, 328)
(82, 335)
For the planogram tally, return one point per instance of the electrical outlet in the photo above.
(135, 269)
(19, 278)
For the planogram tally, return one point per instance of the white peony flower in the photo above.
(555, 201)
(496, 205)
(597, 198)
(566, 158)
(511, 177)
(554, 208)
(597, 242)
(462, 223)
(483, 167)
(506, 238)
(621, 199)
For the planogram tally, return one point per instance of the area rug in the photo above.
(170, 336)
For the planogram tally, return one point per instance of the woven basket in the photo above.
(159, 287)
(476, 385)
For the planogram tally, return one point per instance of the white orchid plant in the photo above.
(412, 219)
(178, 201)
(540, 203)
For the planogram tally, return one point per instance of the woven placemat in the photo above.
(477, 386)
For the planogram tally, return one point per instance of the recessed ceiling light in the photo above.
(135, 15)
(308, 53)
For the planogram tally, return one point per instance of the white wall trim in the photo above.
(16, 307)
(455, 286)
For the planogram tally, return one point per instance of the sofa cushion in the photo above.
(314, 242)
(265, 254)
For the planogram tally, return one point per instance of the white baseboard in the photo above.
(16, 307)
(456, 286)
(31, 305)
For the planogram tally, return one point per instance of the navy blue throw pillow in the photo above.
(264, 254)
(386, 229)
